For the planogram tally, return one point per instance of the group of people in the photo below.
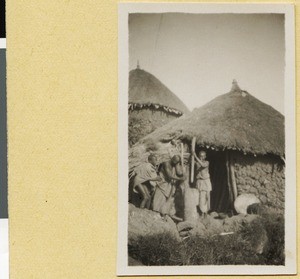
(156, 186)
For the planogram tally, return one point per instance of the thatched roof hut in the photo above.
(245, 143)
(151, 104)
(145, 88)
(233, 121)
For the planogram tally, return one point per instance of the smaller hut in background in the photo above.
(151, 105)
(245, 143)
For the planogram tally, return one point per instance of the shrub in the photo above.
(220, 250)
(164, 249)
(274, 225)
(159, 249)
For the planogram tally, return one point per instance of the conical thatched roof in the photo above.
(144, 88)
(235, 120)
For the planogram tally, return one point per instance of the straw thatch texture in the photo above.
(144, 88)
(235, 120)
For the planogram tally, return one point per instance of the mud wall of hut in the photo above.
(263, 176)
(145, 121)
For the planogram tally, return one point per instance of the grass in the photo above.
(274, 225)
(236, 249)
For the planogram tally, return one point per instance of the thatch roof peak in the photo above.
(236, 120)
(145, 88)
(235, 86)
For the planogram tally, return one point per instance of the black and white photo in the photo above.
(206, 139)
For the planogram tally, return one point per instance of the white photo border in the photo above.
(2, 43)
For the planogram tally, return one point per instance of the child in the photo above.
(203, 182)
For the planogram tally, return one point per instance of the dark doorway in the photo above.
(219, 180)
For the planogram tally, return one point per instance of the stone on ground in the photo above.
(185, 226)
(234, 223)
(143, 222)
(199, 230)
(242, 202)
(214, 214)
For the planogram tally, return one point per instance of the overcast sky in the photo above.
(198, 55)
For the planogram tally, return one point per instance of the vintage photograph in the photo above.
(209, 97)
